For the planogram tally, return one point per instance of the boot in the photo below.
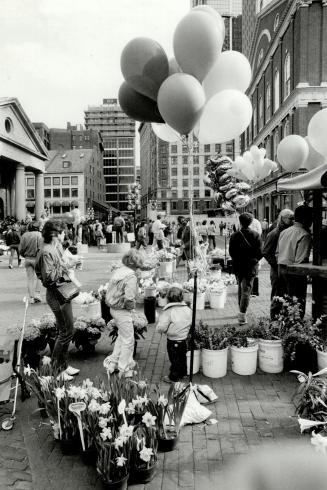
(242, 319)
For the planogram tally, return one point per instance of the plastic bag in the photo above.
(194, 412)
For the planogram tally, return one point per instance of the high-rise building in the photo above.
(288, 54)
(118, 133)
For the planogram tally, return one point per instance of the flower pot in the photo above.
(322, 359)
(217, 299)
(167, 445)
(70, 446)
(214, 362)
(196, 361)
(270, 356)
(143, 475)
(116, 485)
(89, 456)
(166, 269)
(244, 360)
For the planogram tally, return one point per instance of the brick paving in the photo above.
(251, 410)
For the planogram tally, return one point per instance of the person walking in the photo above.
(141, 236)
(29, 247)
(119, 225)
(212, 235)
(294, 246)
(150, 232)
(221, 228)
(285, 220)
(157, 229)
(121, 297)
(256, 226)
(51, 270)
(245, 252)
(175, 321)
(12, 241)
(204, 231)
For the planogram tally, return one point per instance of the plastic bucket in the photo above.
(271, 356)
(196, 361)
(7, 346)
(200, 301)
(217, 300)
(214, 363)
(322, 359)
(166, 269)
(244, 360)
(90, 311)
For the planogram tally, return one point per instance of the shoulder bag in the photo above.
(66, 291)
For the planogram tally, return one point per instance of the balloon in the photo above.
(198, 40)
(165, 132)
(225, 116)
(232, 70)
(314, 159)
(292, 152)
(138, 106)
(174, 67)
(181, 101)
(144, 65)
(317, 132)
(218, 18)
(248, 170)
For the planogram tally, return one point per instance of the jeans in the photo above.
(65, 326)
(212, 242)
(245, 284)
(177, 355)
(33, 283)
(293, 285)
(151, 236)
(119, 235)
(122, 355)
(140, 241)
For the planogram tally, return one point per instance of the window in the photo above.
(217, 148)
(56, 180)
(276, 141)
(30, 182)
(173, 148)
(196, 148)
(65, 181)
(174, 194)
(174, 160)
(207, 192)
(185, 205)
(196, 160)
(74, 180)
(196, 182)
(260, 112)
(287, 128)
(207, 204)
(254, 120)
(185, 160)
(287, 75)
(185, 183)
(206, 148)
(56, 192)
(185, 170)
(66, 192)
(47, 181)
(173, 205)
(74, 192)
(268, 105)
(185, 149)
(230, 149)
(56, 209)
(196, 205)
(196, 193)
(196, 171)
(164, 182)
(276, 91)
(30, 194)
(65, 164)
(185, 193)
(164, 194)
(260, 56)
(47, 192)
(174, 182)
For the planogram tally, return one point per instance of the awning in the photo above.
(315, 179)
(74, 203)
(65, 203)
(30, 204)
(56, 203)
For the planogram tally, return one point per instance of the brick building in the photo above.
(74, 137)
(288, 54)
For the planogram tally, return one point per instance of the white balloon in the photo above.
(263, 152)
(232, 70)
(225, 117)
(255, 152)
(314, 159)
(211, 11)
(292, 152)
(165, 132)
(174, 67)
(247, 157)
(248, 170)
(317, 132)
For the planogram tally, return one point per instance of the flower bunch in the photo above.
(214, 338)
(87, 330)
(217, 286)
(102, 291)
(165, 256)
(85, 298)
(32, 330)
(202, 285)
(169, 410)
(144, 443)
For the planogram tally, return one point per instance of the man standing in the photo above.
(221, 227)
(119, 224)
(285, 220)
(30, 244)
(264, 226)
(157, 229)
(294, 246)
(245, 251)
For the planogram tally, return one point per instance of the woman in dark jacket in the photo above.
(50, 269)
(13, 241)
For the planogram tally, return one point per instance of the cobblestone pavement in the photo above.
(251, 410)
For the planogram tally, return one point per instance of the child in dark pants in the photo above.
(175, 321)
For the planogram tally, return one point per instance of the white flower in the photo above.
(94, 406)
(60, 393)
(162, 400)
(121, 407)
(146, 454)
(105, 408)
(120, 460)
(106, 434)
(103, 422)
(149, 419)
(308, 424)
(95, 393)
(141, 384)
(126, 430)
(302, 378)
(46, 361)
(73, 391)
(130, 409)
(119, 442)
(87, 383)
(82, 394)
(105, 396)
(320, 442)
(28, 370)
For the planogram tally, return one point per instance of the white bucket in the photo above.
(89, 311)
(196, 361)
(217, 300)
(214, 362)
(322, 359)
(200, 301)
(271, 356)
(166, 269)
(244, 360)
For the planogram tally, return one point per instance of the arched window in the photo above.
(254, 121)
(268, 102)
(287, 129)
(260, 56)
(276, 22)
(276, 143)
(260, 112)
(276, 91)
(287, 75)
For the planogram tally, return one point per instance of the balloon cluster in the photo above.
(133, 197)
(252, 165)
(229, 193)
(201, 89)
(295, 152)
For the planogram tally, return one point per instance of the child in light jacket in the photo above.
(175, 321)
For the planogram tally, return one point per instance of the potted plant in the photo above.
(143, 459)
(37, 379)
(87, 333)
(87, 305)
(48, 328)
(166, 263)
(113, 458)
(271, 352)
(140, 324)
(244, 351)
(34, 342)
(214, 343)
(217, 294)
(311, 398)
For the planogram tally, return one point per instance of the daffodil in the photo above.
(94, 406)
(28, 370)
(119, 442)
(106, 434)
(46, 361)
(126, 430)
(149, 419)
(60, 393)
(121, 407)
(103, 422)
(308, 424)
(162, 400)
(105, 408)
(146, 453)
(121, 460)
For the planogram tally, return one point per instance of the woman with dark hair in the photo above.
(51, 270)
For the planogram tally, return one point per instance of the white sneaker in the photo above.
(71, 371)
(64, 377)
(109, 366)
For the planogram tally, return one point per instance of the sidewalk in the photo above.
(251, 411)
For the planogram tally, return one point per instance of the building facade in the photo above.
(288, 54)
(74, 137)
(118, 133)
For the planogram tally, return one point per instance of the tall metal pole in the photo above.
(193, 324)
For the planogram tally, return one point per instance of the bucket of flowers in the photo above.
(87, 333)
(188, 288)
(48, 328)
(140, 324)
(217, 294)
(87, 304)
(105, 309)
(144, 444)
(34, 342)
(166, 263)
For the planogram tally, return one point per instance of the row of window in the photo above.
(174, 205)
(118, 153)
(122, 162)
(30, 181)
(119, 171)
(48, 193)
(206, 148)
(185, 171)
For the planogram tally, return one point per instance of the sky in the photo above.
(59, 56)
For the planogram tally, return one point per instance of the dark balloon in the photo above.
(138, 106)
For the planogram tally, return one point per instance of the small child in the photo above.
(175, 321)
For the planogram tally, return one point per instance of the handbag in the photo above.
(66, 291)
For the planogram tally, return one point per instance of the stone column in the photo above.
(303, 42)
(323, 45)
(20, 201)
(12, 196)
(39, 195)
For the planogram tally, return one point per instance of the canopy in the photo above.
(315, 179)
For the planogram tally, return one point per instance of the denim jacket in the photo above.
(122, 289)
